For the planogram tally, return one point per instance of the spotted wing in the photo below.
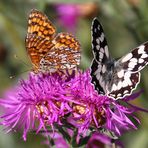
(101, 56)
(116, 79)
(39, 24)
(65, 54)
(66, 40)
(39, 36)
(137, 59)
(99, 43)
(96, 76)
(37, 48)
(126, 73)
(123, 86)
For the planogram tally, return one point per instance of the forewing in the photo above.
(37, 48)
(101, 56)
(39, 24)
(136, 60)
(39, 36)
(99, 43)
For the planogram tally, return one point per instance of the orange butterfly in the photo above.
(50, 52)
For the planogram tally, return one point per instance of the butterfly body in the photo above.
(115, 78)
(50, 52)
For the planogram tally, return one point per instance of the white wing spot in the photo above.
(98, 41)
(127, 75)
(141, 61)
(141, 49)
(101, 55)
(124, 84)
(126, 91)
(144, 56)
(114, 87)
(133, 60)
(102, 50)
(130, 68)
(112, 95)
(132, 64)
(120, 73)
(127, 57)
(98, 47)
(119, 95)
(106, 51)
(119, 85)
(102, 37)
(95, 30)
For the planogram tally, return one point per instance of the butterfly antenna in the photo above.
(16, 57)
(13, 76)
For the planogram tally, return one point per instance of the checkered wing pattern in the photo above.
(40, 25)
(47, 50)
(127, 71)
(65, 54)
(101, 57)
(116, 79)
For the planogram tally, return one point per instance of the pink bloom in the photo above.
(39, 99)
(68, 15)
(55, 101)
(93, 110)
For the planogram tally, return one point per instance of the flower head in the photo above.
(98, 111)
(53, 101)
(68, 16)
(39, 99)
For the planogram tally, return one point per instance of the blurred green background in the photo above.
(125, 23)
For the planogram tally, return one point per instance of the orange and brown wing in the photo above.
(65, 54)
(39, 36)
(37, 48)
(66, 40)
(40, 25)
(60, 58)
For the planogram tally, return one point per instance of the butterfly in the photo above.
(115, 78)
(50, 52)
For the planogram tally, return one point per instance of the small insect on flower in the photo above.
(115, 78)
(50, 52)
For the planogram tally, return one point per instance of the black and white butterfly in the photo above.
(115, 78)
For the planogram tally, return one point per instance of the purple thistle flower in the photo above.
(43, 100)
(93, 110)
(68, 15)
(40, 99)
